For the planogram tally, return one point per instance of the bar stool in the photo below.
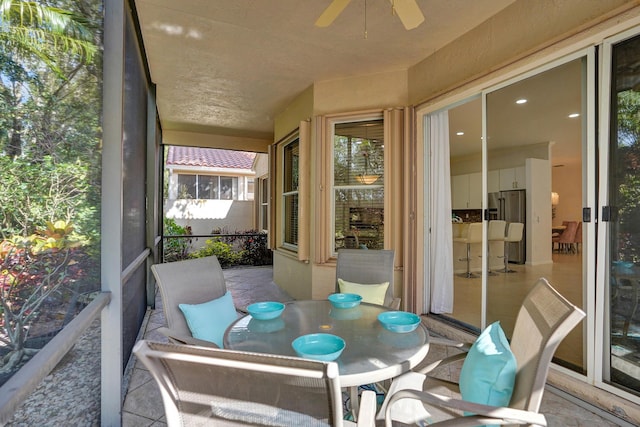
(474, 235)
(514, 234)
(495, 233)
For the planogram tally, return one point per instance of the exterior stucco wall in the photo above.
(203, 216)
(375, 91)
(521, 30)
(261, 165)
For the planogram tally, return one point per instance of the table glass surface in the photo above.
(371, 352)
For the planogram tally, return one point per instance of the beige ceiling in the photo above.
(228, 67)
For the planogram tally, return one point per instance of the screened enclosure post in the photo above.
(153, 186)
(111, 353)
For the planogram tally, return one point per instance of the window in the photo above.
(207, 187)
(264, 203)
(290, 189)
(358, 184)
(250, 189)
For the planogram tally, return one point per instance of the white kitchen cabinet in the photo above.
(475, 191)
(466, 191)
(493, 181)
(460, 191)
(512, 178)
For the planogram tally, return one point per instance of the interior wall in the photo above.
(567, 182)
(499, 159)
(538, 212)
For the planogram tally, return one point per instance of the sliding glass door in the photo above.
(535, 133)
(521, 180)
(552, 201)
(620, 217)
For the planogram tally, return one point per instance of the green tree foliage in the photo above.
(50, 164)
(625, 164)
(176, 248)
(50, 109)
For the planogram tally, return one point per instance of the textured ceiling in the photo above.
(228, 67)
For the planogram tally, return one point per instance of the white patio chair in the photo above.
(192, 281)
(544, 319)
(206, 386)
(368, 267)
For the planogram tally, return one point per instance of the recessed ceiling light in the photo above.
(459, 133)
(574, 115)
(521, 101)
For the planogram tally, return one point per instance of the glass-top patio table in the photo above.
(371, 354)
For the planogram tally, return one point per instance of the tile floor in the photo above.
(143, 403)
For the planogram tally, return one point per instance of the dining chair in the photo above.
(191, 281)
(577, 240)
(368, 267)
(208, 386)
(544, 319)
(566, 239)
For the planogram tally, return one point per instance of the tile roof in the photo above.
(209, 157)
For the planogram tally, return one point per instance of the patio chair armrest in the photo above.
(446, 342)
(484, 414)
(178, 338)
(425, 369)
(367, 411)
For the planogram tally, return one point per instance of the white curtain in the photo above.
(440, 213)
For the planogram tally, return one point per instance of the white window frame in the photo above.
(331, 124)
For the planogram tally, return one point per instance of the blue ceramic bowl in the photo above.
(345, 300)
(265, 310)
(399, 321)
(325, 347)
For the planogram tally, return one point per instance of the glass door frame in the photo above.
(589, 189)
(602, 343)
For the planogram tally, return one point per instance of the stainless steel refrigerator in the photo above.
(510, 206)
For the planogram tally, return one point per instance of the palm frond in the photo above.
(41, 25)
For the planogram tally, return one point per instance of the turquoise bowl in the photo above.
(345, 300)
(325, 347)
(623, 264)
(399, 321)
(265, 310)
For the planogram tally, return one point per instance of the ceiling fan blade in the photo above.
(409, 13)
(331, 12)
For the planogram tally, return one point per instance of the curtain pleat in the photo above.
(441, 271)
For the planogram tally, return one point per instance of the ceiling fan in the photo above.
(407, 10)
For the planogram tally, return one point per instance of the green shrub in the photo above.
(223, 251)
(176, 248)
